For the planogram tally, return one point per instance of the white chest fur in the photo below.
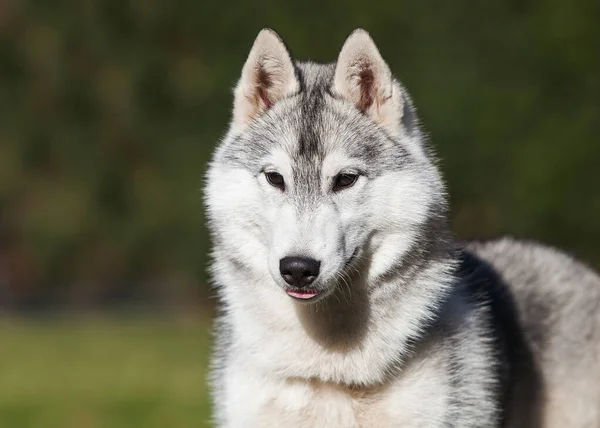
(417, 398)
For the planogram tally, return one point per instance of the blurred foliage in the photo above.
(109, 110)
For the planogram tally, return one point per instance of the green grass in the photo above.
(103, 373)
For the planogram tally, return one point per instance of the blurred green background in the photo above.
(109, 110)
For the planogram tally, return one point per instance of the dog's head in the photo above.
(323, 171)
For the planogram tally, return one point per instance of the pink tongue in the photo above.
(302, 295)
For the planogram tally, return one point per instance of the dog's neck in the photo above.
(353, 337)
(341, 320)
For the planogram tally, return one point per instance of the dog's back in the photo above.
(557, 302)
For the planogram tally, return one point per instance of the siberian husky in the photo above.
(346, 302)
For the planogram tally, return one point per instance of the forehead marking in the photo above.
(310, 125)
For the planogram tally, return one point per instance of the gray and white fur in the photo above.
(345, 300)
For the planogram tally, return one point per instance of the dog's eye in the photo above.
(275, 179)
(342, 181)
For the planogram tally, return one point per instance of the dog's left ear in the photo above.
(268, 76)
(363, 77)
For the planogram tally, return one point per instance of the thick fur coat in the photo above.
(390, 322)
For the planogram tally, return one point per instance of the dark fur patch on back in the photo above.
(520, 383)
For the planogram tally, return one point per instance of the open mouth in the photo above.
(303, 294)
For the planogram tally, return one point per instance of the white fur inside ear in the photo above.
(268, 76)
(363, 77)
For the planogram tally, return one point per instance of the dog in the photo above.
(345, 299)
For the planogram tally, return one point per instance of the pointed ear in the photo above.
(363, 78)
(268, 76)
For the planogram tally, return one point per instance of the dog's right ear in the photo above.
(268, 76)
(363, 77)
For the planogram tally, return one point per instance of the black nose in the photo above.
(299, 271)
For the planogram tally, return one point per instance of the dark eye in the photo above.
(342, 181)
(275, 179)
